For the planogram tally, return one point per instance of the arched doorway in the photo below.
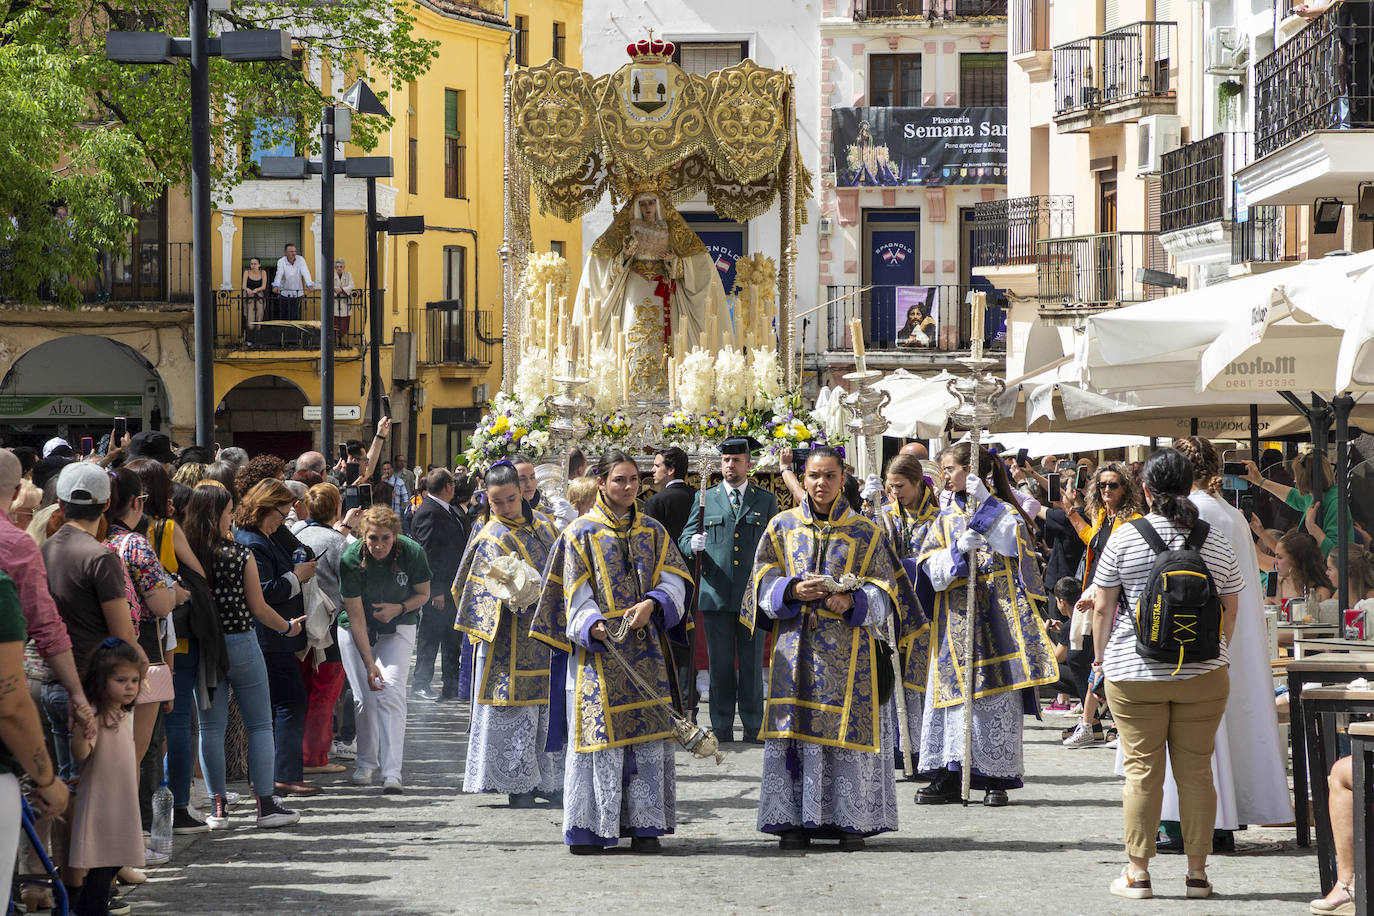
(264, 416)
(74, 387)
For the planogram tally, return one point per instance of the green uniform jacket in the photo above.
(731, 542)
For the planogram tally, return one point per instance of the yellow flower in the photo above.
(780, 432)
(518, 433)
(501, 425)
(803, 435)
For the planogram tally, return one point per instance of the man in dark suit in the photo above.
(670, 507)
(735, 517)
(443, 532)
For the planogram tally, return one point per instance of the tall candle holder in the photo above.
(976, 393)
(569, 409)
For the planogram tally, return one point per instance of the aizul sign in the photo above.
(57, 408)
(1276, 373)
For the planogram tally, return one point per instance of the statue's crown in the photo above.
(640, 184)
(651, 49)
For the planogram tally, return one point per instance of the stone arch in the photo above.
(263, 414)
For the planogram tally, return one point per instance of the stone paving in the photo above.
(435, 850)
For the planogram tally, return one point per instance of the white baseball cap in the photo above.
(55, 443)
(84, 484)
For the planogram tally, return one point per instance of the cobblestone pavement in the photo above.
(435, 850)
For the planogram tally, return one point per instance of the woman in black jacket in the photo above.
(284, 565)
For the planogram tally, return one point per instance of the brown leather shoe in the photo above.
(327, 768)
(299, 789)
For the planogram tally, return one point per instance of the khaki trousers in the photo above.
(1179, 716)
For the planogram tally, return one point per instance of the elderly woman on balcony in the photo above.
(343, 300)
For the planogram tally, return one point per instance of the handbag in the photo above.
(157, 685)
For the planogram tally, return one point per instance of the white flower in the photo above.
(734, 382)
(537, 443)
(767, 372)
(533, 381)
(696, 381)
(605, 380)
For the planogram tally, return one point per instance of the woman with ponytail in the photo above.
(1252, 787)
(1159, 706)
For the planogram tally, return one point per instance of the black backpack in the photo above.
(1178, 617)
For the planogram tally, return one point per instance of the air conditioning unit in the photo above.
(403, 357)
(1227, 51)
(1158, 134)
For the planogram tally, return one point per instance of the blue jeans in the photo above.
(178, 725)
(248, 678)
(56, 702)
(289, 705)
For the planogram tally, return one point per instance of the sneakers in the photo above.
(151, 858)
(1083, 736)
(271, 814)
(218, 818)
(343, 751)
(1135, 887)
(1057, 706)
(1197, 885)
(1098, 732)
(184, 821)
(392, 786)
(361, 777)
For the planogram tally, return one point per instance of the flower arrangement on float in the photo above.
(510, 428)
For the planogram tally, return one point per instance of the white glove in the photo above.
(698, 543)
(873, 488)
(969, 541)
(975, 488)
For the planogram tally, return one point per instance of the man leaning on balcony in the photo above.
(290, 283)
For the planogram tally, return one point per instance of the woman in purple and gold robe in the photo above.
(511, 671)
(1013, 653)
(612, 567)
(828, 580)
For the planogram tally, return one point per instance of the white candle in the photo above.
(856, 337)
(672, 379)
(755, 336)
(596, 325)
(980, 302)
(548, 319)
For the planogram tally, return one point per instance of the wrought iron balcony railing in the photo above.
(1005, 232)
(1127, 63)
(1267, 235)
(1197, 183)
(446, 333)
(1321, 79)
(868, 10)
(1099, 271)
(272, 322)
(1030, 26)
(151, 272)
(894, 317)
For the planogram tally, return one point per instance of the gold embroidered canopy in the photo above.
(727, 134)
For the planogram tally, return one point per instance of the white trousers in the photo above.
(381, 714)
(9, 830)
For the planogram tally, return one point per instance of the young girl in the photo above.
(105, 822)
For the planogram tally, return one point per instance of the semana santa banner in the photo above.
(914, 147)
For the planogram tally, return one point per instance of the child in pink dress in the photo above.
(106, 829)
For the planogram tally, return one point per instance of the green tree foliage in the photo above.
(97, 138)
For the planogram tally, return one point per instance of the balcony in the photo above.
(446, 334)
(153, 272)
(1030, 37)
(1006, 234)
(1203, 223)
(1086, 274)
(881, 307)
(1115, 78)
(1314, 113)
(880, 10)
(277, 323)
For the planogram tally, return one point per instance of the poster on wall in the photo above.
(918, 147)
(917, 316)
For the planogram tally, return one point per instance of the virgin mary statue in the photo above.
(648, 277)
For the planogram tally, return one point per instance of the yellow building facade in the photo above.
(441, 315)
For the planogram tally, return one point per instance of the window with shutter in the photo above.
(983, 79)
(455, 148)
(704, 57)
(266, 237)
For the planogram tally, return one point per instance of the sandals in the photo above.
(1324, 907)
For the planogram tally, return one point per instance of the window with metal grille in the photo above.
(266, 238)
(983, 79)
(413, 138)
(560, 40)
(522, 41)
(894, 80)
(455, 151)
(704, 57)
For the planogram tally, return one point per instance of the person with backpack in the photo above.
(1167, 597)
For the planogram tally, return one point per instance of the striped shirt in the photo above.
(1125, 563)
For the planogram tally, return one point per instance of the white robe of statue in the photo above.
(646, 270)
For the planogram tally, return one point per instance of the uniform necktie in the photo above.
(734, 500)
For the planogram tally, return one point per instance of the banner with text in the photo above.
(916, 147)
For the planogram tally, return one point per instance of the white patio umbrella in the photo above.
(920, 407)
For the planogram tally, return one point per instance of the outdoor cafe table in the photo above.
(1330, 667)
(1320, 707)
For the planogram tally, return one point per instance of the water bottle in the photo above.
(161, 833)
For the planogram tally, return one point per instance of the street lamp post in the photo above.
(161, 48)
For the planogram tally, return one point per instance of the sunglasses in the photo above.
(1109, 485)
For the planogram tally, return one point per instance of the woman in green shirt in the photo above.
(384, 581)
(1300, 497)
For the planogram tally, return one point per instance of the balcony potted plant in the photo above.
(1228, 91)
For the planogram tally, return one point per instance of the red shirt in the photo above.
(21, 559)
